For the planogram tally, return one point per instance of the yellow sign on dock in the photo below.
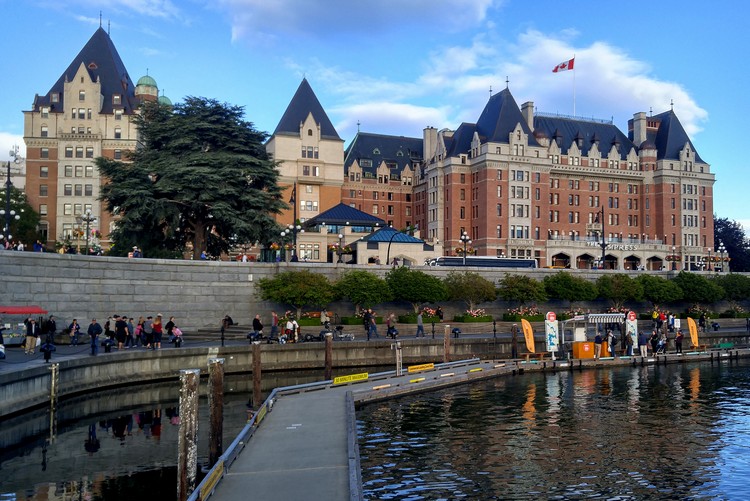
(351, 378)
(422, 367)
(212, 480)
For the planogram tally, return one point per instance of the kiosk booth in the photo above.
(577, 334)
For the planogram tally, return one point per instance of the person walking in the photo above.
(612, 343)
(598, 345)
(274, 325)
(158, 330)
(32, 334)
(654, 340)
(169, 328)
(130, 338)
(121, 331)
(94, 331)
(643, 344)
(148, 332)
(75, 329)
(366, 320)
(257, 328)
(514, 341)
(678, 341)
(51, 328)
(439, 313)
(420, 324)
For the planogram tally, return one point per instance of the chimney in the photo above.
(429, 143)
(639, 128)
(527, 110)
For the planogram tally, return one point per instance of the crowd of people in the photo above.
(118, 332)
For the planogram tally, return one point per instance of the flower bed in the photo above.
(513, 317)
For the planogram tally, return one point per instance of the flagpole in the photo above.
(574, 85)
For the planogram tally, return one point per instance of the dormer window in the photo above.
(309, 132)
(54, 97)
(118, 114)
(116, 99)
(81, 95)
(376, 151)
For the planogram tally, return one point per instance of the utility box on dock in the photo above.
(583, 349)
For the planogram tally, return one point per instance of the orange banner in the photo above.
(528, 333)
(693, 328)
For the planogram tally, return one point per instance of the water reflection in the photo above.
(666, 432)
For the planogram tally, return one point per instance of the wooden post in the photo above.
(329, 356)
(257, 397)
(446, 343)
(54, 384)
(187, 442)
(215, 409)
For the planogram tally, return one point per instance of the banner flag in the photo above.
(550, 328)
(693, 331)
(528, 333)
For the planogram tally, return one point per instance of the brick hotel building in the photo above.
(520, 183)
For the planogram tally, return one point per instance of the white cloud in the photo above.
(8, 142)
(261, 20)
(456, 80)
(163, 9)
(377, 117)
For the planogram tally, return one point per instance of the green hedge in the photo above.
(412, 319)
(307, 322)
(734, 314)
(507, 317)
(469, 319)
(358, 320)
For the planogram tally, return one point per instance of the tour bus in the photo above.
(482, 262)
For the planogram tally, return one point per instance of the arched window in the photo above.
(309, 132)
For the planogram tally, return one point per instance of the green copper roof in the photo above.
(165, 100)
(147, 80)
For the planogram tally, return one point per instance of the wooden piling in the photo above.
(257, 396)
(446, 343)
(329, 356)
(216, 410)
(187, 443)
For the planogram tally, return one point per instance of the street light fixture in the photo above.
(674, 259)
(88, 219)
(722, 250)
(466, 240)
(7, 212)
(340, 248)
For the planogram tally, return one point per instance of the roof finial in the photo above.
(506, 82)
(490, 91)
(109, 24)
(671, 104)
(100, 19)
(650, 111)
(357, 126)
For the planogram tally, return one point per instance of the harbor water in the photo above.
(660, 432)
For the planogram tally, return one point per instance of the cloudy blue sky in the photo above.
(397, 66)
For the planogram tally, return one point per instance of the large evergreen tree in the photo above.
(201, 176)
(732, 235)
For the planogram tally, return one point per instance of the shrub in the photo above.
(411, 318)
(470, 318)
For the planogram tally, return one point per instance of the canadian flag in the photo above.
(565, 65)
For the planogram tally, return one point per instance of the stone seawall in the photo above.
(198, 293)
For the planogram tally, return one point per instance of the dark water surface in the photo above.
(118, 444)
(674, 432)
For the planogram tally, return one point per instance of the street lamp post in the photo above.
(466, 240)
(340, 248)
(603, 243)
(674, 258)
(88, 219)
(708, 263)
(722, 250)
(9, 214)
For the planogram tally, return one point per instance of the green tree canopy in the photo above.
(732, 235)
(565, 286)
(23, 229)
(521, 288)
(202, 176)
(698, 289)
(363, 289)
(299, 289)
(659, 290)
(619, 288)
(415, 287)
(469, 287)
(736, 287)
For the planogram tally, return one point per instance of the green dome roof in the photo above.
(147, 80)
(165, 100)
